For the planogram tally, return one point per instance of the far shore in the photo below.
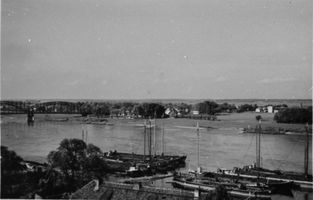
(243, 121)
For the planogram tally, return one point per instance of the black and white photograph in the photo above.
(156, 99)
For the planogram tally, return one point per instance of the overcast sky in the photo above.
(121, 49)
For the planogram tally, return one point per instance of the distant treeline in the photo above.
(104, 109)
(156, 110)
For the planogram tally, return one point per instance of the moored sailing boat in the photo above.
(242, 191)
(233, 188)
(257, 173)
(157, 163)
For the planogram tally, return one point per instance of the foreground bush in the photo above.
(16, 181)
(71, 166)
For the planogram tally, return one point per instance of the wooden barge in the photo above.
(239, 191)
(140, 165)
(302, 181)
(265, 176)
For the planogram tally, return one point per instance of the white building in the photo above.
(195, 112)
(270, 109)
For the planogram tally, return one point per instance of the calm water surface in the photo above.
(224, 147)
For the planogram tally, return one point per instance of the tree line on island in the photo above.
(162, 110)
(144, 110)
(158, 110)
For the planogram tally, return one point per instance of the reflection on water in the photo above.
(219, 147)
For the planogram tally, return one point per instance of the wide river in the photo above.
(219, 147)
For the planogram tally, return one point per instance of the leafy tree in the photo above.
(69, 157)
(102, 110)
(93, 150)
(258, 117)
(16, 182)
(10, 161)
(294, 115)
(225, 107)
(94, 167)
(78, 162)
(151, 110)
(116, 106)
(247, 107)
(138, 110)
(55, 185)
(128, 105)
(72, 165)
(207, 107)
(85, 109)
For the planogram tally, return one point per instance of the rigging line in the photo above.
(291, 150)
(270, 148)
(252, 139)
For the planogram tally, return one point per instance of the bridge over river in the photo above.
(22, 107)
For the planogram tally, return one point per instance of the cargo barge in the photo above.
(140, 165)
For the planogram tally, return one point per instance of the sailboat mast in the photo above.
(154, 140)
(306, 153)
(150, 140)
(163, 138)
(144, 141)
(86, 135)
(198, 156)
(258, 147)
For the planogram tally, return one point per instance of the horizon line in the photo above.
(151, 99)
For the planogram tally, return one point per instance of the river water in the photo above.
(219, 147)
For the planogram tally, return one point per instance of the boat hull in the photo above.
(235, 193)
(191, 186)
(297, 184)
(157, 164)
